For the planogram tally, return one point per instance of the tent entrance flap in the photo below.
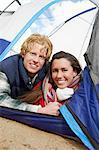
(92, 55)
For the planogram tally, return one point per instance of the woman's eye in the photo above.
(55, 70)
(64, 70)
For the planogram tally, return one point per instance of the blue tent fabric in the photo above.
(47, 123)
(92, 53)
(85, 105)
(3, 45)
(74, 125)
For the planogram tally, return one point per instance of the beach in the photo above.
(17, 136)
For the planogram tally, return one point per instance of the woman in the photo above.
(65, 76)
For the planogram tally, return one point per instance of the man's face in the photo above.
(35, 59)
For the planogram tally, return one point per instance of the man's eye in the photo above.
(32, 53)
(42, 57)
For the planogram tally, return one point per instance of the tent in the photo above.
(80, 116)
(55, 18)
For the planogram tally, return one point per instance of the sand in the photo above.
(17, 136)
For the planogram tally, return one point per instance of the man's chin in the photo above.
(32, 73)
(35, 70)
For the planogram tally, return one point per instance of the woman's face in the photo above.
(62, 72)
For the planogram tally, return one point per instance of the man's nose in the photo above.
(36, 58)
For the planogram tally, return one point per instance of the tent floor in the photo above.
(16, 136)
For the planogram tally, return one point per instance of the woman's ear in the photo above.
(74, 74)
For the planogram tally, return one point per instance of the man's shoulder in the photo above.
(10, 60)
(9, 63)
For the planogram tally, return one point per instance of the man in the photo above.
(20, 73)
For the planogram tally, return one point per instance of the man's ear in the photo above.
(22, 55)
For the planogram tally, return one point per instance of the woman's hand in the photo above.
(51, 108)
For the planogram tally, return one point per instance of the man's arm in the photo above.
(7, 101)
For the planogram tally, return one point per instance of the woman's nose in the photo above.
(59, 74)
